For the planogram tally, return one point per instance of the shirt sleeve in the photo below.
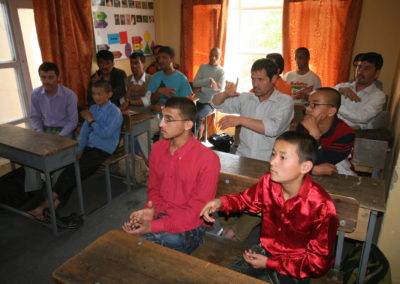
(72, 115)
(317, 83)
(230, 105)
(317, 257)
(107, 128)
(36, 115)
(277, 123)
(200, 80)
(336, 151)
(83, 136)
(184, 88)
(146, 99)
(153, 192)
(205, 191)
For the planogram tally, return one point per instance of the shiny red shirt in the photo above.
(299, 233)
(180, 184)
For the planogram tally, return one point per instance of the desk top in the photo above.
(132, 119)
(117, 257)
(33, 142)
(369, 192)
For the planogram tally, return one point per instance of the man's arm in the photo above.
(233, 121)
(72, 115)
(200, 80)
(230, 91)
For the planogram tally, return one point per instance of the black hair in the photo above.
(265, 64)
(186, 107)
(49, 66)
(357, 57)
(333, 98)
(374, 58)
(307, 146)
(135, 55)
(303, 50)
(105, 54)
(168, 50)
(279, 61)
(105, 85)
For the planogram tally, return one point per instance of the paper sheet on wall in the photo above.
(124, 26)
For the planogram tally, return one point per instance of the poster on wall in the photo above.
(124, 26)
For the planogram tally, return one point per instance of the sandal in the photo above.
(73, 221)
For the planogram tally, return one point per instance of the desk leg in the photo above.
(367, 247)
(132, 144)
(79, 187)
(51, 203)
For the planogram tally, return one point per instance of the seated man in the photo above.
(302, 80)
(154, 66)
(209, 80)
(183, 177)
(335, 137)
(299, 220)
(361, 99)
(98, 139)
(137, 96)
(280, 84)
(53, 106)
(116, 77)
(53, 110)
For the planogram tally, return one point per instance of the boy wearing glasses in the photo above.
(335, 137)
(183, 178)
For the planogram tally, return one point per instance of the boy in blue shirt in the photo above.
(98, 139)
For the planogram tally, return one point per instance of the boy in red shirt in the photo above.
(299, 220)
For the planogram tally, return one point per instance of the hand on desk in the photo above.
(256, 260)
(324, 169)
(140, 221)
(211, 207)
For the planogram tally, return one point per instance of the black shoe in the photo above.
(73, 221)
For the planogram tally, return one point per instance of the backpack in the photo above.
(378, 269)
(221, 141)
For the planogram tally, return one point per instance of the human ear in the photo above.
(306, 167)
(188, 125)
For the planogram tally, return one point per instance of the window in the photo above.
(254, 29)
(19, 59)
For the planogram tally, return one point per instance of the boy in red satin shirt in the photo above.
(299, 220)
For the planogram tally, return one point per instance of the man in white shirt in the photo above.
(263, 115)
(361, 99)
(302, 80)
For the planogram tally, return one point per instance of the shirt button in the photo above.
(279, 229)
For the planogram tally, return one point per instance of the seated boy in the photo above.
(299, 220)
(98, 139)
(183, 177)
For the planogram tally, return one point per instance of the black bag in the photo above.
(378, 270)
(221, 141)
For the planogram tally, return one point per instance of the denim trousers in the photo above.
(185, 242)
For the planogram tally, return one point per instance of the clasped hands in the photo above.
(140, 221)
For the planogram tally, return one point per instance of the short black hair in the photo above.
(105, 54)
(307, 146)
(49, 66)
(303, 50)
(186, 107)
(265, 64)
(168, 50)
(105, 85)
(357, 57)
(279, 61)
(139, 55)
(374, 58)
(333, 96)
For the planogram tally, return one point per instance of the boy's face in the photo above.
(164, 61)
(105, 66)
(49, 81)
(319, 106)
(100, 96)
(173, 124)
(301, 60)
(285, 166)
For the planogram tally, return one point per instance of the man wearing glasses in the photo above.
(183, 178)
(335, 137)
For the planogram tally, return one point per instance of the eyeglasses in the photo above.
(168, 120)
(313, 105)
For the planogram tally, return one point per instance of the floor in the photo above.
(29, 252)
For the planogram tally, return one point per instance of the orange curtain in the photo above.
(65, 35)
(328, 29)
(203, 27)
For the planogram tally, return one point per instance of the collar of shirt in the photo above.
(331, 129)
(370, 89)
(302, 194)
(58, 93)
(274, 97)
(141, 81)
(184, 149)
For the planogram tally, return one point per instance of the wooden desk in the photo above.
(238, 173)
(41, 151)
(117, 257)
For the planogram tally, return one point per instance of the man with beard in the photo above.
(361, 99)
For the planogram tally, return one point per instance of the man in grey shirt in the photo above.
(263, 115)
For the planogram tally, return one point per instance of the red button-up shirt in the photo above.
(299, 232)
(180, 184)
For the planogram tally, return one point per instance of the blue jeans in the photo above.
(185, 242)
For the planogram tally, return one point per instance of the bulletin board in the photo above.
(124, 26)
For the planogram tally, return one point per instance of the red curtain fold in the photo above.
(328, 29)
(65, 35)
(203, 27)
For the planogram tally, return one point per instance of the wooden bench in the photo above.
(222, 251)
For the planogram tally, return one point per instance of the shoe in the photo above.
(73, 221)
